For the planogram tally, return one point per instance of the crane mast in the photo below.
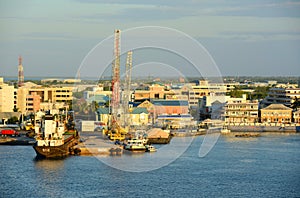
(115, 100)
(126, 96)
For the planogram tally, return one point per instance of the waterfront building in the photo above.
(276, 113)
(240, 110)
(138, 116)
(7, 97)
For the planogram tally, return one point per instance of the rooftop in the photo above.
(276, 107)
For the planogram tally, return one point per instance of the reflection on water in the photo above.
(49, 165)
(249, 167)
(139, 162)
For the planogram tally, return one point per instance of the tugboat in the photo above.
(54, 139)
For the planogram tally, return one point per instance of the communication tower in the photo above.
(20, 73)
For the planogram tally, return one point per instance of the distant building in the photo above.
(50, 97)
(33, 102)
(138, 116)
(276, 113)
(171, 107)
(7, 97)
(240, 110)
(285, 96)
(154, 91)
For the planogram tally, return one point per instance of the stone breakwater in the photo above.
(282, 128)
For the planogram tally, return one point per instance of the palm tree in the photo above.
(296, 104)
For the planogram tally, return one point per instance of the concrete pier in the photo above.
(94, 143)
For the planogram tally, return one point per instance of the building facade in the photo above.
(280, 95)
(50, 97)
(241, 111)
(7, 97)
(276, 113)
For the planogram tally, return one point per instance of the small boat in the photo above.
(248, 135)
(150, 148)
(135, 145)
(53, 140)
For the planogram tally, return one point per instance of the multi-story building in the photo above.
(154, 91)
(195, 92)
(276, 113)
(240, 110)
(6, 97)
(280, 95)
(33, 102)
(50, 97)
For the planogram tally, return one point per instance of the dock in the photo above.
(94, 143)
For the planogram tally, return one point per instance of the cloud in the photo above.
(48, 36)
(259, 36)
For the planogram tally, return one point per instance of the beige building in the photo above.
(138, 116)
(6, 97)
(276, 113)
(241, 111)
(50, 97)
(204, 88)
(154, 91)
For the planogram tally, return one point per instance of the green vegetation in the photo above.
(13, 120)
(78, 95)
(260, 93)
(296, 104)
(236, 93)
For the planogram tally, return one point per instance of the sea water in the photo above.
(266, 166)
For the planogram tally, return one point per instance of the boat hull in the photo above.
(135, 148)
(53, 152)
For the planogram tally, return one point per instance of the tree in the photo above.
(15, 109)
(236, 93)
(296, 104)
(13, 120)
(95, 105)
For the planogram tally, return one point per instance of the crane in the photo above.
(116, 132)
(126, 95)
(115, 100)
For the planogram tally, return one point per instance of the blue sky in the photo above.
(258, 37)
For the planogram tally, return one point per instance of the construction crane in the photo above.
(126, 95)
(116, 132)
(115, 83)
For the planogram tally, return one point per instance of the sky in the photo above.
(244, 38)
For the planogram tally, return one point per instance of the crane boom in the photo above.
(126, 96)
(115, 100)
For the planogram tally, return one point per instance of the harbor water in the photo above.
(265, 166)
